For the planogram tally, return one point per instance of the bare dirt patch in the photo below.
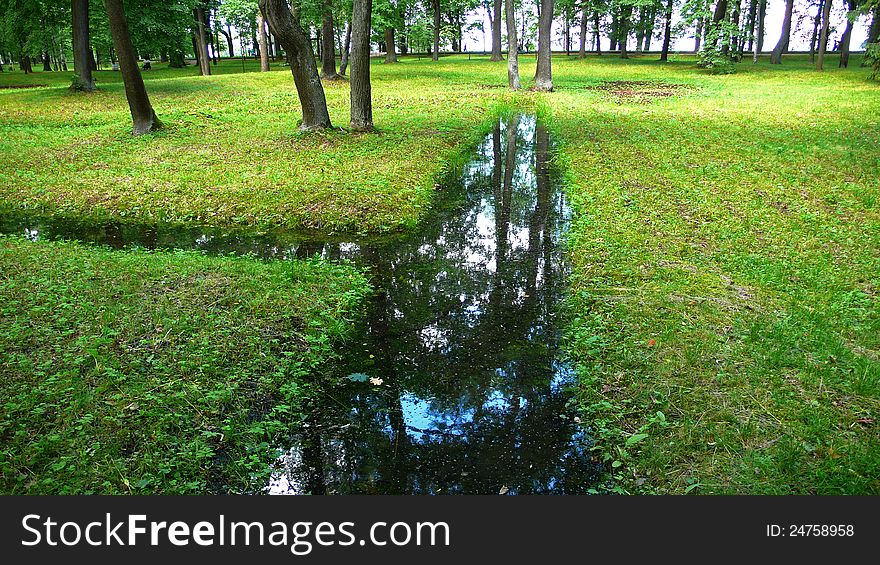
(640, 91)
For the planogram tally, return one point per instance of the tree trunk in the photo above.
(143, 117)
(202, 42)
(263, 42)
(544, 71)
(846, 38)
(598, 31)
(667, 31)
(512, 47)
(435, 54)
(390, 53)
(815, 36)
(762, 17)
(346, 46)
(750, 25)
(874, 29)
(582, 49)
(328, 45)
(361, 90)
(496, 32)
(288, 32)
(823, 40)
(624, 24)
(782, 44)
(698, 36)
(649, 32)
(228, 35)
(81, 52)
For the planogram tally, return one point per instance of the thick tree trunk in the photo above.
(328, 44)
(624, 23)
(263, 42)
(512, 47)
(782, 44)
(202, 41)
(435, 54)
(496, 32)
(82, 54)
(750, 22)
(544, 71)
(667, 31)
(361, 90)
(390, 53)
(717, 30)
(228, 34)
(346, 46)
(288, 32)
(47, 62)
(598, 31)
(582, 48)
(846, 38)
(823, 38)
(143, 117)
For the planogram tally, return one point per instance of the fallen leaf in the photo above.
(652, 342)
(375, 381)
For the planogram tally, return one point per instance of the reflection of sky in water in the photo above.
(466, 343)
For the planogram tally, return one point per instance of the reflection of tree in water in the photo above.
(462, 333)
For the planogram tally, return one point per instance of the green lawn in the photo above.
(726, 239)
(138, 372)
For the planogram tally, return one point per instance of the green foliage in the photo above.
(872, 58)
(137, 372)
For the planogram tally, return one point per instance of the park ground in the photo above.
(724, 312)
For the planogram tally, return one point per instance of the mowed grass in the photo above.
(726, 249)
(231, 152)
(137, 372)
(725, 244)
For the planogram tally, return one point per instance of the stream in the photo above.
(455, 381)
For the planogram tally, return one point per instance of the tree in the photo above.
(823, 41)
(846, 38)
(361, 92)
(346, 47)
(435, 54)
(512, 46)
(286, 28)
(328, 51)
(496, 31)
(782, 44)
(202, 39)
(143, 117)
(667, 31)
(263, 42)
(82, 55)
(544, 72)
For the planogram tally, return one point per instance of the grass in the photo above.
(138, 372)
(725, 245)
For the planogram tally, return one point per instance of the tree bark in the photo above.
(544, 71)
(815, 36)
(82, 54)
(698, 36)
(762, 17)
(361, 91)
(328, 44)
(496, 32)
(288, 32)
(582, 48)
(435, 54)
(202, 41)
(390, 52)
(625, 16)
(512, 47)
(823, 40)
(346, 46)
(263, 42)
(143, 117)
(597, 30)
(846, 38)
(667, 31)
(782, 44)
(874, 29)
(750, 22)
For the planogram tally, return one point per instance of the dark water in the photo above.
(455, 382)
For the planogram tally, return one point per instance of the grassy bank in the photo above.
(230, 152)
(726, 247)
(138, 372)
